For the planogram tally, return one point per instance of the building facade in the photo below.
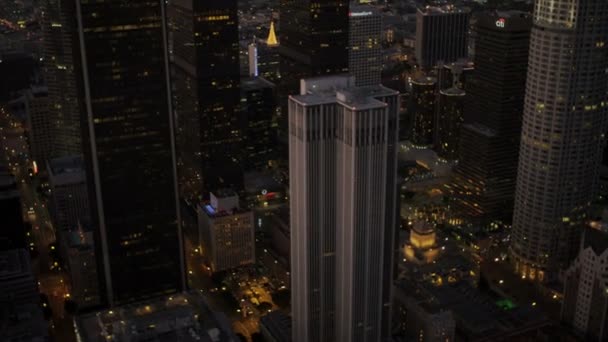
(69, 202)
(12, 235)
(441, 34)
(450, 116)
(421, 107)
(364, 46)
(258, 102)
(129, 148)
(314, 42)
(226, 232)
(563, 132)
(60, 70)
(343, 209)
(40, 124)
(585, 305)
(206, 92)
(484, 181)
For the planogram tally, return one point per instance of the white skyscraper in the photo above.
(343, 186)
(563, 133)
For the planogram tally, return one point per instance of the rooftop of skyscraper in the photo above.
(66, 170)
(440, 9)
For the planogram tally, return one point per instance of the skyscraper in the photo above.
(484, 182)
(264, 59)
(448, 122)
(421, 106)
(365, 51)
(129, 148)
(60, 70)
(441, 34)
(562, 134)
(40, 124)
(314, 37)
(314, 42)
(258, 102)
(204, 38)
(343, 209)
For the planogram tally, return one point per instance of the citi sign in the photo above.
(501, 23)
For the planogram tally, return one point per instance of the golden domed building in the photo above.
(422, 247)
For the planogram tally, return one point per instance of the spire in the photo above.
(272, 37)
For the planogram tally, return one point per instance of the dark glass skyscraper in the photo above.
(60, 67)
(314, 37)
(129, 147)
(485, 175)
(205, 56)
(314, 42)
(441, 34)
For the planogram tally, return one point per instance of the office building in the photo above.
(441, 34)
(226, 231)
(314, 38)
(206, 93)
(258, 102)
(17, 282)
(12, 235)
(77, 250)
(40, 124)
(454, 75)
(183, 317)
(20, 315)
(60, 70)
(585, 305)
(449, 119)
(563, 134)
(314, 42)
(276, 327)
(421, 319)
(421, 107)
(343, 187)
(69, 202)
(365, 51)
(263, 56)
(129, 149)
(484, 181)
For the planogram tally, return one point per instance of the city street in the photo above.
(52, 282)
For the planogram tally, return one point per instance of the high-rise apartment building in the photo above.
(563, 134)
(484, 182)
(441, 34)
(343, 209)
(365, 51)
(205, 61)
(129, 148)
(585, 305)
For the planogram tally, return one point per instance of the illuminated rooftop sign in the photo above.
(359, 14)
